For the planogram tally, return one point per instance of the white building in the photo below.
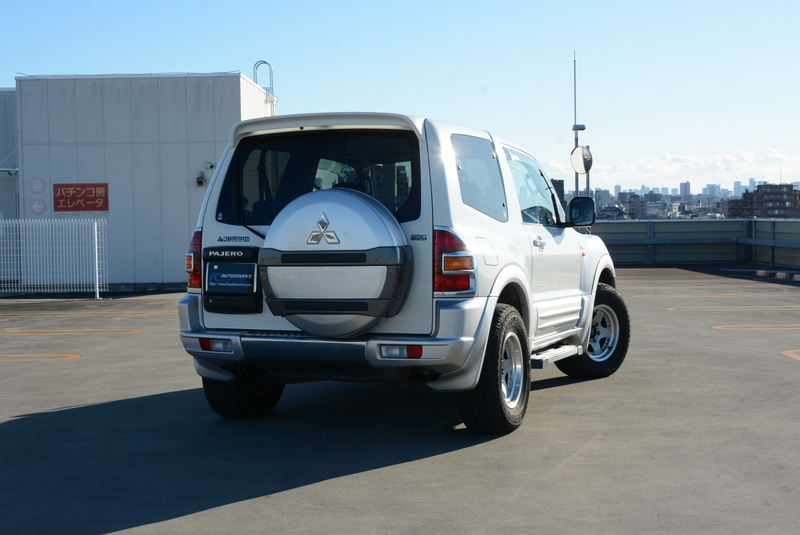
(142, 141)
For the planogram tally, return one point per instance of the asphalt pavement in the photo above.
(104, 428)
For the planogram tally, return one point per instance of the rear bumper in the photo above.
(449, 360)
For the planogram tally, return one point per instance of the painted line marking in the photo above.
(57, 356)
(795, 354)
(61, 332)
(76, 314)
(755, 307)
(755, 327)
(705, 296)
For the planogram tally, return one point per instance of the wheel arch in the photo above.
(511, 288)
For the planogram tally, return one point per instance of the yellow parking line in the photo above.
(705, 296)
(60, 332)
(71, 314)
(56, 356)
(795, 354)
(755, 327)
(754, 307)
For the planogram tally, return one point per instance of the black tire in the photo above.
(608, 340)
(498, 403)
(241, 399)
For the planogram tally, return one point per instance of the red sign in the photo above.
(80, 197)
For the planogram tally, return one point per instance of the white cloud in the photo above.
(668, 170)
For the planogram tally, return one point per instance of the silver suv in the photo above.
(381, 247)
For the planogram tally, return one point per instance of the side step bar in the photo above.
(541, 360)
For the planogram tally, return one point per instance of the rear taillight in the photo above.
(192, 263)
(453, 265)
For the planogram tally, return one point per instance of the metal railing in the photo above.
(53, 255)
(775, 242)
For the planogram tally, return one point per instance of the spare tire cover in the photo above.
(335, 263)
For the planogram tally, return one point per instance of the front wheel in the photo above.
(608, 339)
(498, 403)
(241, 398)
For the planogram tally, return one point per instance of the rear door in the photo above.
(269, 172)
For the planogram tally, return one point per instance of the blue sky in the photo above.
(669, 91)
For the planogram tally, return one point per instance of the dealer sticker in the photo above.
(231, 278)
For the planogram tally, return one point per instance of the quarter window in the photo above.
(479, 176)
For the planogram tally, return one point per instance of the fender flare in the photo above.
(466, 378)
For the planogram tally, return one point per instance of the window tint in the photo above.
(479, 176)
(535, 199)
(268, 172)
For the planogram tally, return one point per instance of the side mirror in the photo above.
(581, 212)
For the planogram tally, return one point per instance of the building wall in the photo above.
(147, 137)
(8, 158)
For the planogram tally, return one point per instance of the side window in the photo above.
(535, 199)
(479, 176)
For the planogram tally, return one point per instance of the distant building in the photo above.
(652, 196)
(602, 197)
(686, 188)
(767, 201)
(559, 187)
(611, 213)
(636, 207)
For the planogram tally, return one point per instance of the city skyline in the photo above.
(694, 189)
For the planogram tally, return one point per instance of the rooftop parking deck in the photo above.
(103, 427)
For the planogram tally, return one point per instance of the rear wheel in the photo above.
(241, 398)
(608, 339)
(498, 403)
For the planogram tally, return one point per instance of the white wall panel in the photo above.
(63, 164)
(121, 229)
(91, 166)
(8, 128)
(144, 110)
(89, 110)
(34, 112)
(198, 155)
(174, 210)
(227, 105)
(62, 112)
(200, 109)
(172, 109)
(34, 163)
(117, 110)
(147, 212)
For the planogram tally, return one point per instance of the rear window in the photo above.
(268, 172)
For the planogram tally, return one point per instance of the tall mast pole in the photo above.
(575, 108)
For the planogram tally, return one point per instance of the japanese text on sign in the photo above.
(80, 197)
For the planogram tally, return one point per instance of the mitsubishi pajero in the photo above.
(382, 247)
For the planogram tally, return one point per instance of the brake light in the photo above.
(452, 269)
(192, 263)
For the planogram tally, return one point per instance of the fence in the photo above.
(53, 255)
(766, 241)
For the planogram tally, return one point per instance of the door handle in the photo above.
(539, 243)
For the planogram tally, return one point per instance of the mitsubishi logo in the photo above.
(317, 235)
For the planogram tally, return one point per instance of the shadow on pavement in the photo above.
(107, 467)
(117, 465)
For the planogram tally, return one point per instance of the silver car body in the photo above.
(550, 273)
